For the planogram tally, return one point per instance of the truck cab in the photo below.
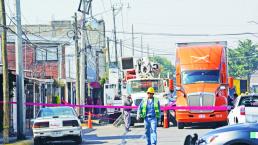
(201, 80)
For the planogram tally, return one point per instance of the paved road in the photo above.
(109, 135)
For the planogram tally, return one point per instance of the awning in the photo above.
(95, 85)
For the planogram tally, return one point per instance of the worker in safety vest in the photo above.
(149, 110)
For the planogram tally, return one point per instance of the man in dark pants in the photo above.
(127, 112)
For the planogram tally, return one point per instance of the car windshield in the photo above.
(200, 76)
(136, 86)
(46, 112)
(249, 101)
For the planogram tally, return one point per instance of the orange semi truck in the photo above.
(201, 80)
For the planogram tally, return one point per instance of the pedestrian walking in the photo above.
(149, 110)
(127, 112)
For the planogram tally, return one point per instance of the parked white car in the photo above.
(245, 110)
(57, 124)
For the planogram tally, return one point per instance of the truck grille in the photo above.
(137, 102)
(200, 99)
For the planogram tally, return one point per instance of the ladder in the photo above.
(119, 121)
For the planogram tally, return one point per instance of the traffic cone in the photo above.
(89, 120)
(165, 119)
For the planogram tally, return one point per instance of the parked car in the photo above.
(245, 110)
(238, 134)
(55, 124)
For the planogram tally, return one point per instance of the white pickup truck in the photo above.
(245, 110)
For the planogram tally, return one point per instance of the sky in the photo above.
(155, 16)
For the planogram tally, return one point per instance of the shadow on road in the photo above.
(200, 127)
(95, 137)
(94, 142)
(88, 130)
(138, 126)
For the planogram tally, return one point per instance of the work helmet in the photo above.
(151, 90)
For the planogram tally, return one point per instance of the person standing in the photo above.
(149, 110)
(127, 112)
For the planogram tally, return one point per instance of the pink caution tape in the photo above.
(215, 108)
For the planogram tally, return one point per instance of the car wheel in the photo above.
(236, 121)
(78, 140)
(180, 125)
(37, 141)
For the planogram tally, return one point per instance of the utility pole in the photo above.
(121, 48)
(60, 58)
(132, 41)
(83, 60)
(19, 76)
(69, 71)
(141, 47)
(109, 59)
(5, 77)
(114, 21)
(77, 61)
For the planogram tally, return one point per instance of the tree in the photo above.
(243, 60)
(165, 64)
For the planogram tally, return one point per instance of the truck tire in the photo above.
(180, 125)
(132, 123)
(173, 120)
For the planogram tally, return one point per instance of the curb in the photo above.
(23, 142)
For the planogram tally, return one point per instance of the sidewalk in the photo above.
(13, 139)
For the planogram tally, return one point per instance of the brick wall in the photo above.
(33, 68)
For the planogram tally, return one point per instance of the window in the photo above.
(137, 86)
(40, 54)
(47, 54)
(249, 101)
(200, 76)
(56, 111)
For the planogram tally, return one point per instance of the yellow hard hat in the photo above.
(151, 90)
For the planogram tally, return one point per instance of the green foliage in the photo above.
(103, 79)
(165, 65)
(243, 60)
(56, 99)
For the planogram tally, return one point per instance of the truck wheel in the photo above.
(173, 120)
(180, 125)
(132, 123)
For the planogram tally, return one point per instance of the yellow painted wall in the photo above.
(237, 86)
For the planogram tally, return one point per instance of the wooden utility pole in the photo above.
(5, 77)
(76, 38)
